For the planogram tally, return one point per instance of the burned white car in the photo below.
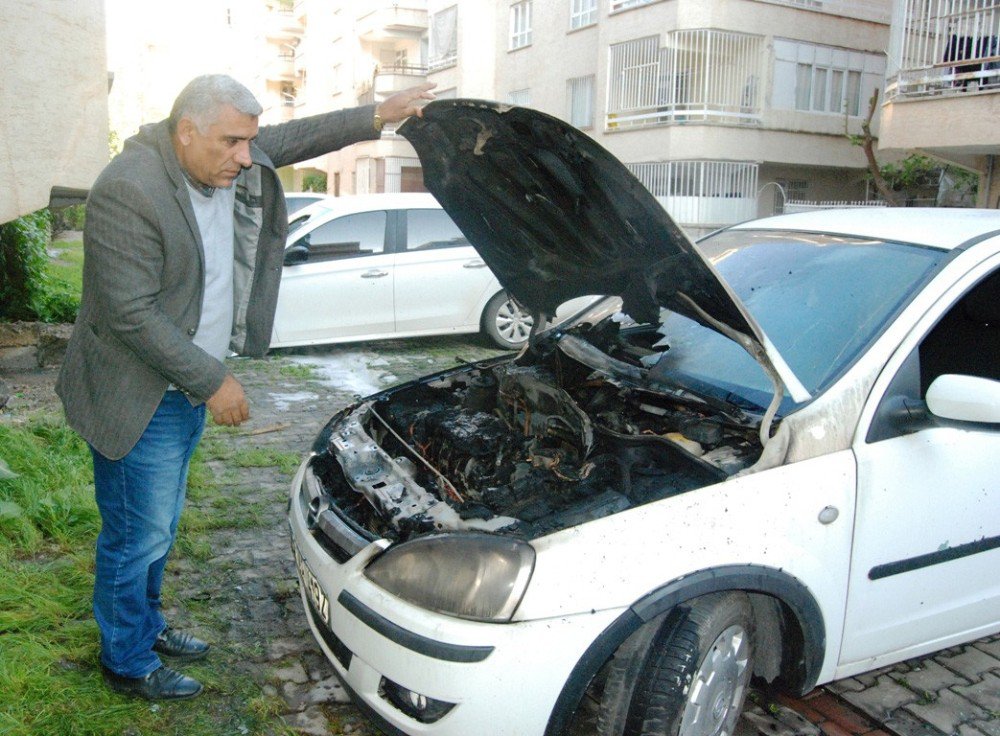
(775, 454)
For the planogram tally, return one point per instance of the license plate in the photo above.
(313, 590)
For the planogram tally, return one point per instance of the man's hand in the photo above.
(403, 104)
(229, 404)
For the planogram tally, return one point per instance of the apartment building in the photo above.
(324, 55)
(725, 109)
(943, 87)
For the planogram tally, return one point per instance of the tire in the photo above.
(505, 323)
(684, 674)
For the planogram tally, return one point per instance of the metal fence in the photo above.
(946, 47)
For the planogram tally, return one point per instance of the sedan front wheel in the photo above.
(686, 676)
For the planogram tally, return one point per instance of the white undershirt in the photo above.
(215, 223)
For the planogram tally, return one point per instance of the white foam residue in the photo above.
(283, 401)
(353, 371)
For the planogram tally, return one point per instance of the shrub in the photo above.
(27, 290)
(69, 218)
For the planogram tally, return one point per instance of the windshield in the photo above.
(821, 299)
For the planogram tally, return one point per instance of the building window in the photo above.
(582, 13)
(581, 101)
(519, 97)
(824, 79)
(443, 48)
(520, 25)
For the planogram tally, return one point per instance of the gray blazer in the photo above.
(143, 275)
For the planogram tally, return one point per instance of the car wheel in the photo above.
(505, 322)
(685, 674)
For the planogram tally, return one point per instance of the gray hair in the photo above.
(201, 99)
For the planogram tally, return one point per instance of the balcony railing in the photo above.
(945, 47)
(702, 193)
(697, 76)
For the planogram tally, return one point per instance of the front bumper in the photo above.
(499, 679)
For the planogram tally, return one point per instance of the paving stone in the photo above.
(948, 712)
(847, 685)
(928, 677)
(903, 723)
(968, 729)
(294, 672)
(971, 662)
(988, 727)
(985, 694)
(990, 646)
(311, 722)
(882, 699)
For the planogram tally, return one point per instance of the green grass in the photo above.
(50, 682)
(66, 266)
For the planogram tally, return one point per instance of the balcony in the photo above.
(945, 48)
(697, 76)
(381, 20)
(390, 79)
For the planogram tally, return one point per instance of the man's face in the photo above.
(215, 157)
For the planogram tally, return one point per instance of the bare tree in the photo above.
(867, 142)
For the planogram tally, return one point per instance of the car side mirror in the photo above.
(964, 398)
(297, 253)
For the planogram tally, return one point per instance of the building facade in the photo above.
(943, 86)
(725, 109)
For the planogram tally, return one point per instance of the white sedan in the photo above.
(383, 266)
(785, 468)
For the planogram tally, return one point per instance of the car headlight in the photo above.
(476, 576)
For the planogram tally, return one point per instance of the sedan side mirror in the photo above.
(965, 398)
(297, 253)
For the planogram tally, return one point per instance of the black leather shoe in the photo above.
(161, 684)
(176, 643)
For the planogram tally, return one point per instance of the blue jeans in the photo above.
(140, 498)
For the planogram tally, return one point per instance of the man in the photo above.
(183, 252)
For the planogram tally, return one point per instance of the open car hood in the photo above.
(556, 216)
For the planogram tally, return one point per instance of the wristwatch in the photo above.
(377, 122)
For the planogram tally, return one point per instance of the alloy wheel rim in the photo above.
(513, 324)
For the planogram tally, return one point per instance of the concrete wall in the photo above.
(53, 100)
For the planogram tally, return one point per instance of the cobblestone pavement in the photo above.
(247, 575)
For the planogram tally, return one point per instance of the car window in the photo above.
(350, 236)
(432, 228)
(821, 299)
(965, 341)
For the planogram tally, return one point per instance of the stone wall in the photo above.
(27, 346)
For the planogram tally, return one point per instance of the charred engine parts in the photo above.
(522, 449)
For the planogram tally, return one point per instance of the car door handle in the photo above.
(474, 264)
(374, 274)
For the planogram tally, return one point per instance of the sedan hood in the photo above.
(556, 216)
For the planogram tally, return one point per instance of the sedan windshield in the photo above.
(821, 299)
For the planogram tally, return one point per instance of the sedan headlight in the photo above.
(476, 576)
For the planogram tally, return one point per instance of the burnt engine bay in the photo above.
(526, 446)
